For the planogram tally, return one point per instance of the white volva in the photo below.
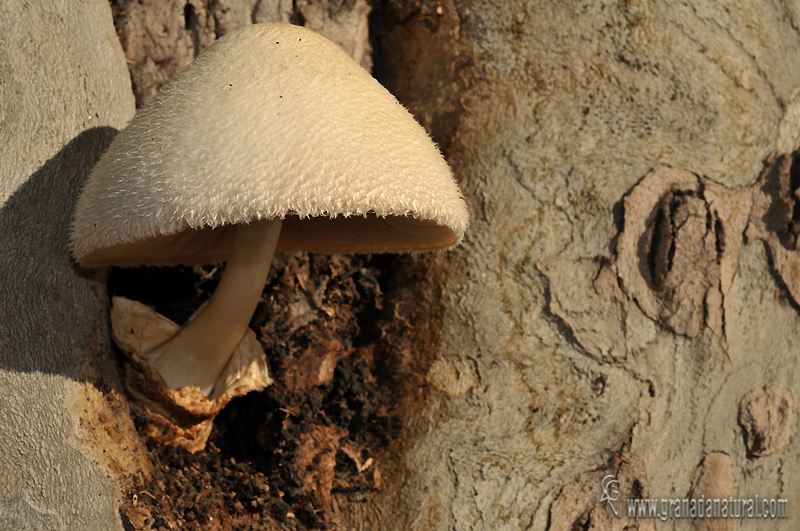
(272, 122)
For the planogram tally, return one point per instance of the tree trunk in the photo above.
(624, 303)
(602, 319)
(67, 444)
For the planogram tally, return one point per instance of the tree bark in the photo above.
(584, 333)
(67, 445)
(624, 303)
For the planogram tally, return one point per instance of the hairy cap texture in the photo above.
(272, 121)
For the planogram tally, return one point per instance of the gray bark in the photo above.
(551, 371)
(572, 336)
(65, 448)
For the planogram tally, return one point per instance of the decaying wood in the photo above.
(604, 315)
(553, 116)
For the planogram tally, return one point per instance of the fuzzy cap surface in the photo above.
(272, 121)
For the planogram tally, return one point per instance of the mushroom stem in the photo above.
(198, 354)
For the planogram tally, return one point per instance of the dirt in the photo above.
(276, 459)
(348, 339)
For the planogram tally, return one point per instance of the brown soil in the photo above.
(274, 458)
(348, 339)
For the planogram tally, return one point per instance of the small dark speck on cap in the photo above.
(277, 42)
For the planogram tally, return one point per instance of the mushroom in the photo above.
(272, 139)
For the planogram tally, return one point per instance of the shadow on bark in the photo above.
(42, 281)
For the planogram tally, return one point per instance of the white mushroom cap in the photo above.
(272, 121)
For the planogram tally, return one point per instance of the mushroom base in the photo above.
(182, 417)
